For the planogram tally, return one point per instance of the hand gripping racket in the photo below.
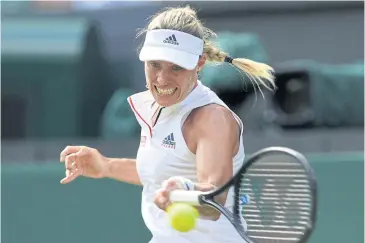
(275, 194)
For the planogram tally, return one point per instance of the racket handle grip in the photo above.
(183, 196)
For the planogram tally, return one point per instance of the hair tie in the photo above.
(228, 59)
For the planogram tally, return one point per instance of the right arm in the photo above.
(89, 162)
(122, 170)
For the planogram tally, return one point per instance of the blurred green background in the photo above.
(68, 67)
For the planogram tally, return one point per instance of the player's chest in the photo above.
(163, 153)
(159, 145)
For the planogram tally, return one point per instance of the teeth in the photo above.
(165, 91)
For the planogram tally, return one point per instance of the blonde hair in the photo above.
(185, 19)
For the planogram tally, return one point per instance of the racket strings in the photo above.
(277, 200)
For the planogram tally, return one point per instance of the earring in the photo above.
(147, 86)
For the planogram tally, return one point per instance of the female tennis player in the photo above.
(189, 137)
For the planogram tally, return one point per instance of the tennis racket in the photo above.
(275, 195)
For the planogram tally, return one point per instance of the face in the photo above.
(170, 83)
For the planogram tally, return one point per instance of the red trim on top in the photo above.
(134, 109)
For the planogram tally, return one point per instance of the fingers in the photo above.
(68, 150)
(170, 184)
(162, 196)
(83, 151)
(162, 199)
(70, 176)
(73, 162)
(75, 157)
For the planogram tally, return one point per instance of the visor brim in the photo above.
(183, 59)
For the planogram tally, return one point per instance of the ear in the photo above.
(201, 62)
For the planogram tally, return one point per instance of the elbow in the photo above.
(216, 216)
(222, 201)
(209, 213)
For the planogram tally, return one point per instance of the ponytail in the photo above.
(258, 73)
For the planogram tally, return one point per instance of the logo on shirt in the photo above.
(169, 141)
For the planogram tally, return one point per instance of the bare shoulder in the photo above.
(212, 123)
(212, 116)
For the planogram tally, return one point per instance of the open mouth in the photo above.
(165, 91)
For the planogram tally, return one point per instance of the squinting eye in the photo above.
(177, 68)
(154, 64)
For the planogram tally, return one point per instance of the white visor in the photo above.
(172, 46)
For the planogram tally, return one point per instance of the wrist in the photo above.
(188, 185)
(107, 164)
(185, 183)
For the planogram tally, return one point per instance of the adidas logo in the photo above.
(171, 40)
(169, 141)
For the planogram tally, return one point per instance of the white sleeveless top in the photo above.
(163, 153)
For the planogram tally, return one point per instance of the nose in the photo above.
(162, 77)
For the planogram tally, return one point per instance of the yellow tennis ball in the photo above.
(182, 216)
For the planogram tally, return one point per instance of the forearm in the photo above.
(123, 170)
